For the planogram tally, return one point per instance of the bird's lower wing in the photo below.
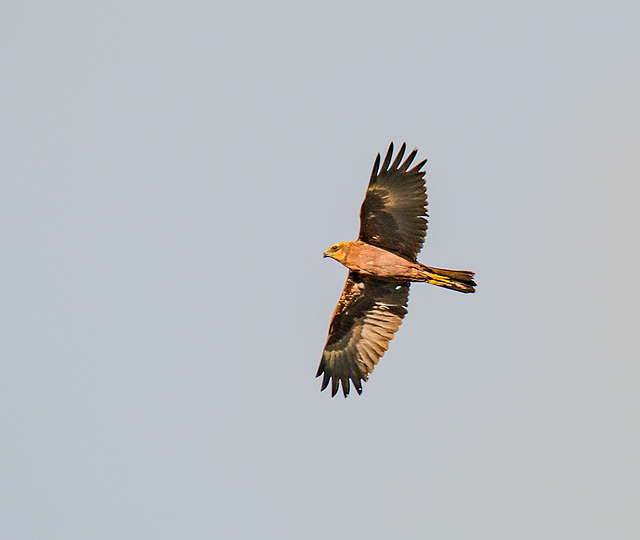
(366, 318)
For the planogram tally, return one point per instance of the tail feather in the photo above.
(457, 280)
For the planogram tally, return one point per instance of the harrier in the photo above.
(382, 264)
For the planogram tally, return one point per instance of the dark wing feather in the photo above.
(393, 214)
(368, 315)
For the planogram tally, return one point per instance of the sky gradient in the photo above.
(171, 175)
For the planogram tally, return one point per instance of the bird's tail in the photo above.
(457, 280)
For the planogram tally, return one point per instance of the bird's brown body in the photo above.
(382, 264)
(372, 261)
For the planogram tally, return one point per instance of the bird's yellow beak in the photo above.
(335, 252)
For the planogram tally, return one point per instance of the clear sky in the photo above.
(171, 173)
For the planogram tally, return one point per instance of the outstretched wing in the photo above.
(393, 214)
(368, 315)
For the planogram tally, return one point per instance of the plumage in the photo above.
(393, 215)
(382, 264)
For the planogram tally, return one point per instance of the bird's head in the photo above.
(338, 251)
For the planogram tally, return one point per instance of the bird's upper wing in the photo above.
(393, 214)
(368, 314)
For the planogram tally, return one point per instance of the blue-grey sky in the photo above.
(171, 173)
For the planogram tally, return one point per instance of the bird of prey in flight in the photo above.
(382, 264)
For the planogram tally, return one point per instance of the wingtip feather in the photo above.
(376, 169)
(387, 159)
(345, 387)
(419, 166)
(407, 162)
(396, 162)
(334, 386)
